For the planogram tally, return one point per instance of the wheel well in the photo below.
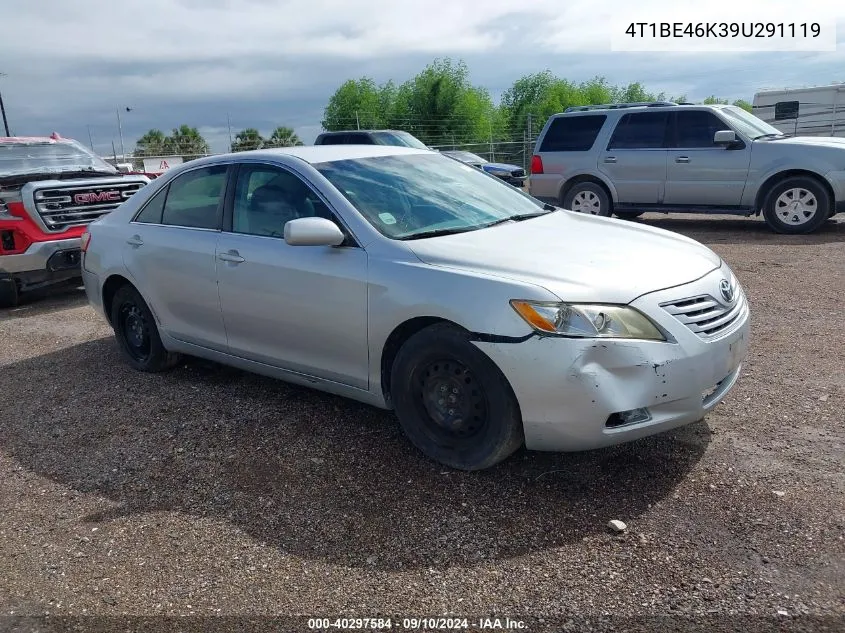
(394, 343)
(110, 288)
(773, 180)
(567, 186)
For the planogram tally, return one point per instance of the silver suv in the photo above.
(626, 159)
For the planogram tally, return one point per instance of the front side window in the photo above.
(641, 130)
(697, 128)
(412, 195)
(194, 198)
(268, 197)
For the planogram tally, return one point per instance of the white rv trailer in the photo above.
(818, 111)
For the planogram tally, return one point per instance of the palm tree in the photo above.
(152, 143)
(247, 140)
(283, 137)
(187, 140)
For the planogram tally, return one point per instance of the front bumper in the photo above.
(53, 256)
(569, 389)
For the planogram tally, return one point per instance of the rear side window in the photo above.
(333, 139)
(151, 213)
(641, 130)
(572, 133)
(359, 139)
(194, 198)
(697, 128)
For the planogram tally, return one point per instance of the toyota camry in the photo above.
(484, 318)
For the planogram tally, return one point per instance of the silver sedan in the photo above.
(406, 280)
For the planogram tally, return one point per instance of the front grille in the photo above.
(518, 173)
(74, 205)
(706, 316)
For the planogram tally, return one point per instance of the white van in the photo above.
(818, 111)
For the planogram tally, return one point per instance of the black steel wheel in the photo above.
(453, 402)
(136, 332)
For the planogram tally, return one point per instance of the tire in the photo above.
(136, 332)
(588, 197)
(628, 215)
(797, 205)
(484, 426)
(9, 293)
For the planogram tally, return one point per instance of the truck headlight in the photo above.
(588, 320)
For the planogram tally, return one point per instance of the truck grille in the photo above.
(74, 205)
(707, 317)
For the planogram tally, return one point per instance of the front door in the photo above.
(635, 158)
(301, 308)
(699, 171)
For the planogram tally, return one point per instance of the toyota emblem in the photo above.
(727, 290)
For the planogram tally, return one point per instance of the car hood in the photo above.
(818, 141)
(577, 257)
(500, 167)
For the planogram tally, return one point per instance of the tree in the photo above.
(188, 141)
(742, 103)
(246, 140)
(358, 103)
(283, 137)
(152, 143)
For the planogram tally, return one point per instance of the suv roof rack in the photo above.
(615, 106)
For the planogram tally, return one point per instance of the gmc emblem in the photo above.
(105, 196)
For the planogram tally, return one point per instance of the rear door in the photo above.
(635, 157)
(170, 253)
(699, 171)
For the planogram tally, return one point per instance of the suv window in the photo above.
(359, 139)
(267, 197)
(640, 130)
(333, 139)
(572, 133)
(697, 128)
(193, 199)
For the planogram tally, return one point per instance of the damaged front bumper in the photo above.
(581, 394)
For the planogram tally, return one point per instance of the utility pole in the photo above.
(3, 110)
(229, 125)
(357, 122)
(120, 132)
(90, 138)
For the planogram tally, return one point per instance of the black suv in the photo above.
(370, 137)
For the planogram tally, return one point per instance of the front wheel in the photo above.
(588, 197)
(136, 332)
(453, 402)
(9, 293)
(797, 205)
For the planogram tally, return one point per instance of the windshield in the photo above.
(467, 157)
(411, 195)
(38, 157)
(748, 124)
(401, 139)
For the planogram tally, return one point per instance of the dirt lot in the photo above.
(208, 491)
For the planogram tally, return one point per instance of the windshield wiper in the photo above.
(439, 232)
(511, 218)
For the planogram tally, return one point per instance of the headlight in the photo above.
(588, 321)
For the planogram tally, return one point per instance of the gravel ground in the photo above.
(208, 491)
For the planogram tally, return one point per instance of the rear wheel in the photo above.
(797, 205)
(453, 402)
(588, 197)
(9, 293)
(136, 332)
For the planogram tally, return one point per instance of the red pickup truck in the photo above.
(50, 189)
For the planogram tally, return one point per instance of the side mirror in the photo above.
(313, 232)
(724, 137)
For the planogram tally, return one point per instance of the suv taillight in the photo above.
(85, 241)
(536, 165)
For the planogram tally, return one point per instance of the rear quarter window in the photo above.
(573, 133)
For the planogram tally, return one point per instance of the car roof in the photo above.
(335, 132)
(322, 153)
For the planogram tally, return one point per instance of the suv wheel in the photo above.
(797, 205)
(588, 197)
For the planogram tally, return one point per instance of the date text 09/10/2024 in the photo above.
(416, 624)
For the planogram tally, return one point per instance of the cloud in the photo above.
(264, 63)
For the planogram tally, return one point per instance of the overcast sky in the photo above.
(265, 63)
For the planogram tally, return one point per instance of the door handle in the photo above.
(135, 240)
(232, 257)
(610, 159)
(682, 159)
